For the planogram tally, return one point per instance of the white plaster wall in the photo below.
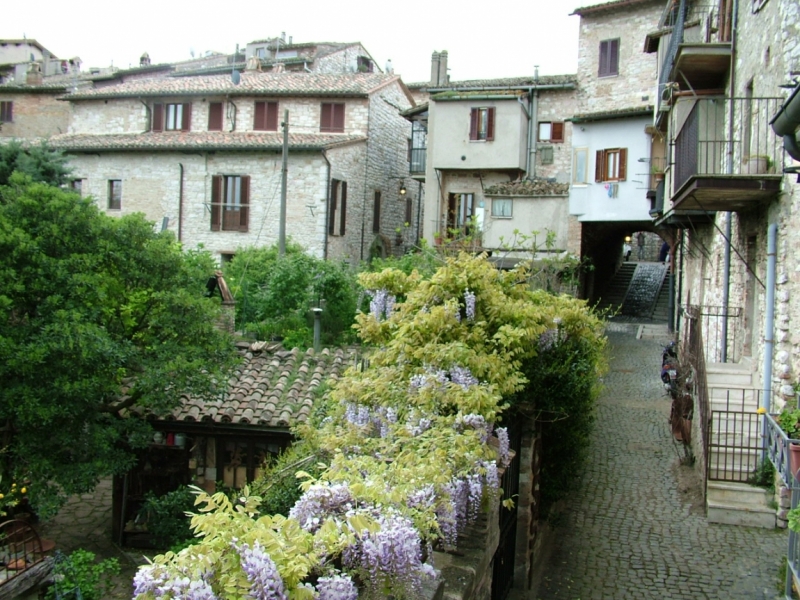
(529, 215)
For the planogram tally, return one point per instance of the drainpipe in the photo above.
(420, 196)
(180, 204)
(533, 125)
(769, 337)
(327, 206)
(726, 268)
(680, 286)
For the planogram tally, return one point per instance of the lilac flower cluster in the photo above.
(417, 425)
(492, 477)
(261, 572)
(391, 555)
(375, 422)
(548, 340)
(381, 303)
(422, 498)
(321, 501)
(469, 303)
(357, 414)
(160, 584)
(337, 587)
(502, 436)
(439, 377)
(462, 376)
(476, 422)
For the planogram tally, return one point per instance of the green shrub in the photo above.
(79, 576)
(166, 518)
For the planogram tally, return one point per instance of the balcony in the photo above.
(418, 149)
(725, 155)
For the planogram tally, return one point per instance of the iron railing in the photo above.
(693, 355)
(777, 445)
(735, 445)
(21, 550)
(706, 145)
(722, 332)
(417, 160)
(673, 18)
(503, 562)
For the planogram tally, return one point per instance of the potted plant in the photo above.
(658, 172)
(789, 422)
(756, 164)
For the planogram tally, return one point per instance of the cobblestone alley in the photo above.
(635, 527)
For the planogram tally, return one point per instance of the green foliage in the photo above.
(98, 317)
(275, 295)
(40, 163)
(789, 421)
(166, 518)
(763, 475)
(424, 260)
(79, 576)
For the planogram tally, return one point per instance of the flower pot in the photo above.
(794, 459)
(755, 165)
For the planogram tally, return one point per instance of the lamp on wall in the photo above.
(403, 190)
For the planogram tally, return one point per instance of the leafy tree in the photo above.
(40, 163)
(99, 318)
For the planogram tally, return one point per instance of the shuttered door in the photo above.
(215, 116)
(244, 209)
(332, 207)
(216, 195)
(186, 124)
(343, 209)
(490, 124)
(157, 118)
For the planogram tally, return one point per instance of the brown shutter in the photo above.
(272, 116)
(409, 208)
(332, 207)
(623, 163)
(343, 209)
(603, 64)
(557, 132)
(244, 208)
(338, 118)
(187, 116)
(325, 121)
(613, 57)
(490, 124)
(376, 213)
(473, 124)
(599, 166)
(215, 116)
(157, 118)
(216, 185)
(260, 122)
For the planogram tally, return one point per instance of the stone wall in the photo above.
(35, 116)
(556, 105)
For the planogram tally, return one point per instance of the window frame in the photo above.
(608, 60)
(480, 129)
(332, 117)
(222, 210)
(337, 208)
(556, 132)
(546, 155)
(576, 180)
(160, 117)
(76, 185)
(216, 116)
(265, 115)
(618, 171)
(500, 202)
(6, 111)
(114, 194)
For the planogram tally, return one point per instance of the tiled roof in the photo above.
(528, 187)
(251, 84)
(46, 87)
(619, 113)
(201, 140)
(611, 6)
(506, 82)
(272, 387)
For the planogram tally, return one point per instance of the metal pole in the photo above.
(284, 173)
(317, 329)
(726, 275)
(769, 325)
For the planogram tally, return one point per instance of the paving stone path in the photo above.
(635, 528)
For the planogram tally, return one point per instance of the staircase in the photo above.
(735, 426)
(616, 290)
(661, 306)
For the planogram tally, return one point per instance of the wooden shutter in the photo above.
(216, 196)
(557, 132)
(599, 165)
(260, 121)
(338, 118)
(474, 118)
(343, 209)
(244, 207)
(409, 208)
(613, 57)
(490, 124)
(623, 163)
(271, 122)
(376, 213)
(215, 116)
(603, 63)
(157, 118)
(325, 119)
(332, 207)
(186, 125)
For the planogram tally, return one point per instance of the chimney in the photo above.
(283, 37)
(435, 68)
(290, 40)
(34, 76)
(227, 319)
(389, 68)
(444, 79)
(253, 64)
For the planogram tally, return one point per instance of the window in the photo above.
(460, 210)
(6, 111)
(481, 124)
(546, 155)
(261, 52)
(501, 208)
(611, 164)
(332, 118)
(230, 202)
(215, 116)
(376, 213)
(609, 58)
(172, 117)
(579, 166)
(76, 185)
(551, 131)
(337, 212)
(409, 211)
(365, 65)
(115, 194)
(266, 116)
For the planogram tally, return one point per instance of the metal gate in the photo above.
(503, 562)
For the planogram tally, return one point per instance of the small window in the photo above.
(171, 117)
(261, 52)
(551, 131)
(76, 185)
(365, 65)
(230, 202)
(115, 194)
(611, 164)
(579, 166)
(481, 125)
(6, 111)
(266, 116)
(337, 212)
(501, 208)
(215, 116)
(331, 118)
(609, 58)
(376, 213)
(546, 155)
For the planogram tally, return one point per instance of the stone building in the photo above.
(201, 156)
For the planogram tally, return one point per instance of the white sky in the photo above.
(499, 38)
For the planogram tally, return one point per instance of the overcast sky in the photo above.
(499, 38)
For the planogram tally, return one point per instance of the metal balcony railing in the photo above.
(417, 160)
(777, 445)
(705, 144)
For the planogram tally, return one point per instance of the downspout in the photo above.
(680, 286)
(726, 265)
(769, 341)
(180, 205)
(366, 192)
(327, 206)
(533, 125)
(420, 195)
(232, 117)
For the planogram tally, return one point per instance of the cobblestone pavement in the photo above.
(635, 527)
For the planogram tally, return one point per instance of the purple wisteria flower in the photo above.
(417, 425)
(469, 303)
(337, 587)
(265, 581)
(462, 376)
(381, 304)
(422, 498)
(548, 340)
(476, 422)
(357, 414)
(502, 436)
(160, 583)
(321, 501)
(492, 477)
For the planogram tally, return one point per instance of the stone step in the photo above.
(727, 492)
(728, 377)
(743, 516)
